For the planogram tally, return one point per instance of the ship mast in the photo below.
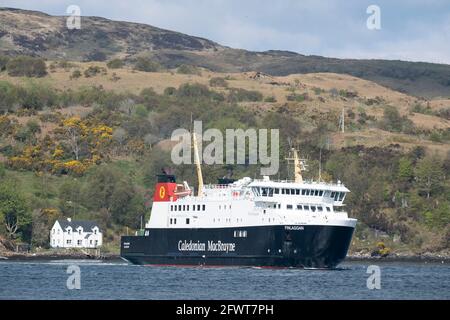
(297, 166)
(198, 166)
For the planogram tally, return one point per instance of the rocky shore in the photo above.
(54, 255)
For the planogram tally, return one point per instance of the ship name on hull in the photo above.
(202, 246)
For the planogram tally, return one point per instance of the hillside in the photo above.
(39, 34)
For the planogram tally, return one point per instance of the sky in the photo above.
(413, 30)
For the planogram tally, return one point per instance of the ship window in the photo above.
(203, 207)
(289, 206)
(297, 191)
(175, 221)
(187, 207)
(341, 196)
(306, 207)
(332, 194)
(193, 207)
(313, 208)
(230, 206)
(171, 208)
(299, 207)
(303, 192)
(265, 192)
(187, 220)
(270, 192)
(170, 220)
(321, 193)
(198, 207)
(179, 207)
(320, 209)
(184, 207)
(279, 206)
(307, 192)
(328, 209)
(316, 192)
(336, 196)
(277, 191)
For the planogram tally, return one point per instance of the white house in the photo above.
(75, 234)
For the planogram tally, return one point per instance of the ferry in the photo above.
(247, 222)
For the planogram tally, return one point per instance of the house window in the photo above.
(96, 242)
(90, 241)
(69, 241)
(79, 242)
(95, 231)
(68, 231)
(79, 231)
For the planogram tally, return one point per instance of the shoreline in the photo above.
(49, 256)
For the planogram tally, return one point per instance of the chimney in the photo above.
(69, 219)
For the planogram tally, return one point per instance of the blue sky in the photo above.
(410, 29)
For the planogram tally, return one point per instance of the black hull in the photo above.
(264, 246)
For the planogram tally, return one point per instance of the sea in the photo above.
(106, 280)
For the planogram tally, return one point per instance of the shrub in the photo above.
(115, 64)
(92, 71)
(270, 99)
(145, 64)
(23, 66)
(75, 74)
(392, 121)
(170, 91)
(238, 95)
(3, 61)
(297, 97)
(188, 69)
(218, 82)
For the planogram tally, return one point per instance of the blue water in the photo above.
(118, 280)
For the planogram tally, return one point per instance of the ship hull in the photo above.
(301, 246)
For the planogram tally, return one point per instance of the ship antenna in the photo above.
(198, 165)
(297, 166)
(320, 165)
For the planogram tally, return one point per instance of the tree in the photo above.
(13, 211)
(26, 66)
(111, 193)
(429, 175)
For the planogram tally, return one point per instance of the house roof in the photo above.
(85, 224)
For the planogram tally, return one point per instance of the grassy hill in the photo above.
(393, 144)
(38, 34)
